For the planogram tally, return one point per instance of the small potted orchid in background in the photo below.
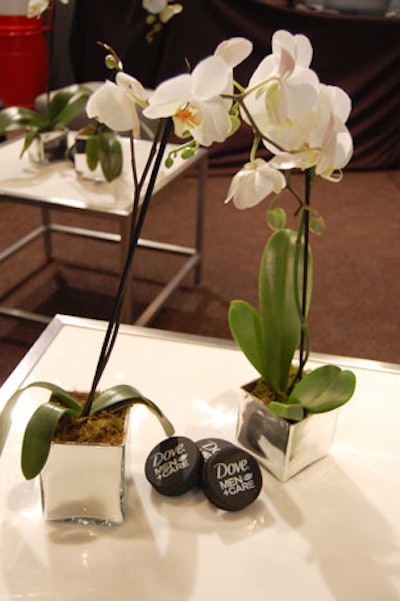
(97, 153)
(301, 123)
(46, 135)
(45, 131)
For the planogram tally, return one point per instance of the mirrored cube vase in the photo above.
(48, 147)
(284, 448)
(85, 483)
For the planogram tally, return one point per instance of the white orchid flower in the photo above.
(114, 104)
(253, 183)
(298, 46)
(194, 102)
(282, 87)
(234, 51)
(319, 139)
(340, 101)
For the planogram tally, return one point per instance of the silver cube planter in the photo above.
(283, 447)
(85, 483)
(48, 147)
(80, 161)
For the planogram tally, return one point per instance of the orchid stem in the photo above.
(304, 299)
(137, 225)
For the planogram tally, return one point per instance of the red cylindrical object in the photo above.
(24, 63)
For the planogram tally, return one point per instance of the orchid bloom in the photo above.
(115, 104)
(301, 120)
(282, 87)
(194, 102)
(253, 183)
(234, 51)
(319, 139)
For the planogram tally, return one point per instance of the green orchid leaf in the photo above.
(30, 135)
(70, 111)
(324, 389)
(121, 395)
(92, 152)
(116, 159)
(293, 412)
(245, 326)
(6, 414)
(65, 398)
(115, 396)
(38, 436)
(110, 155)
(280, 320)
(58, 102)
(65, 105)
(14, 118)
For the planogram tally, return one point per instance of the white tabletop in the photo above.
(59, 184)
(331, 533)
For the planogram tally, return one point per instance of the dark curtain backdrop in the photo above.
(360, 54)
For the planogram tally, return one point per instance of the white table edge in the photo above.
(60, 320)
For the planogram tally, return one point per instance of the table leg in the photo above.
(48, 245)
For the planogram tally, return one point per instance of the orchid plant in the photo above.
(62, 108)
(301, 123)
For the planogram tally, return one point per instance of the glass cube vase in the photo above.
(85, 483)
(80, 162)
(48, 147)
(284, 448)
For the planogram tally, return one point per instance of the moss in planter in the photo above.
(103, 427)
(261, 390)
